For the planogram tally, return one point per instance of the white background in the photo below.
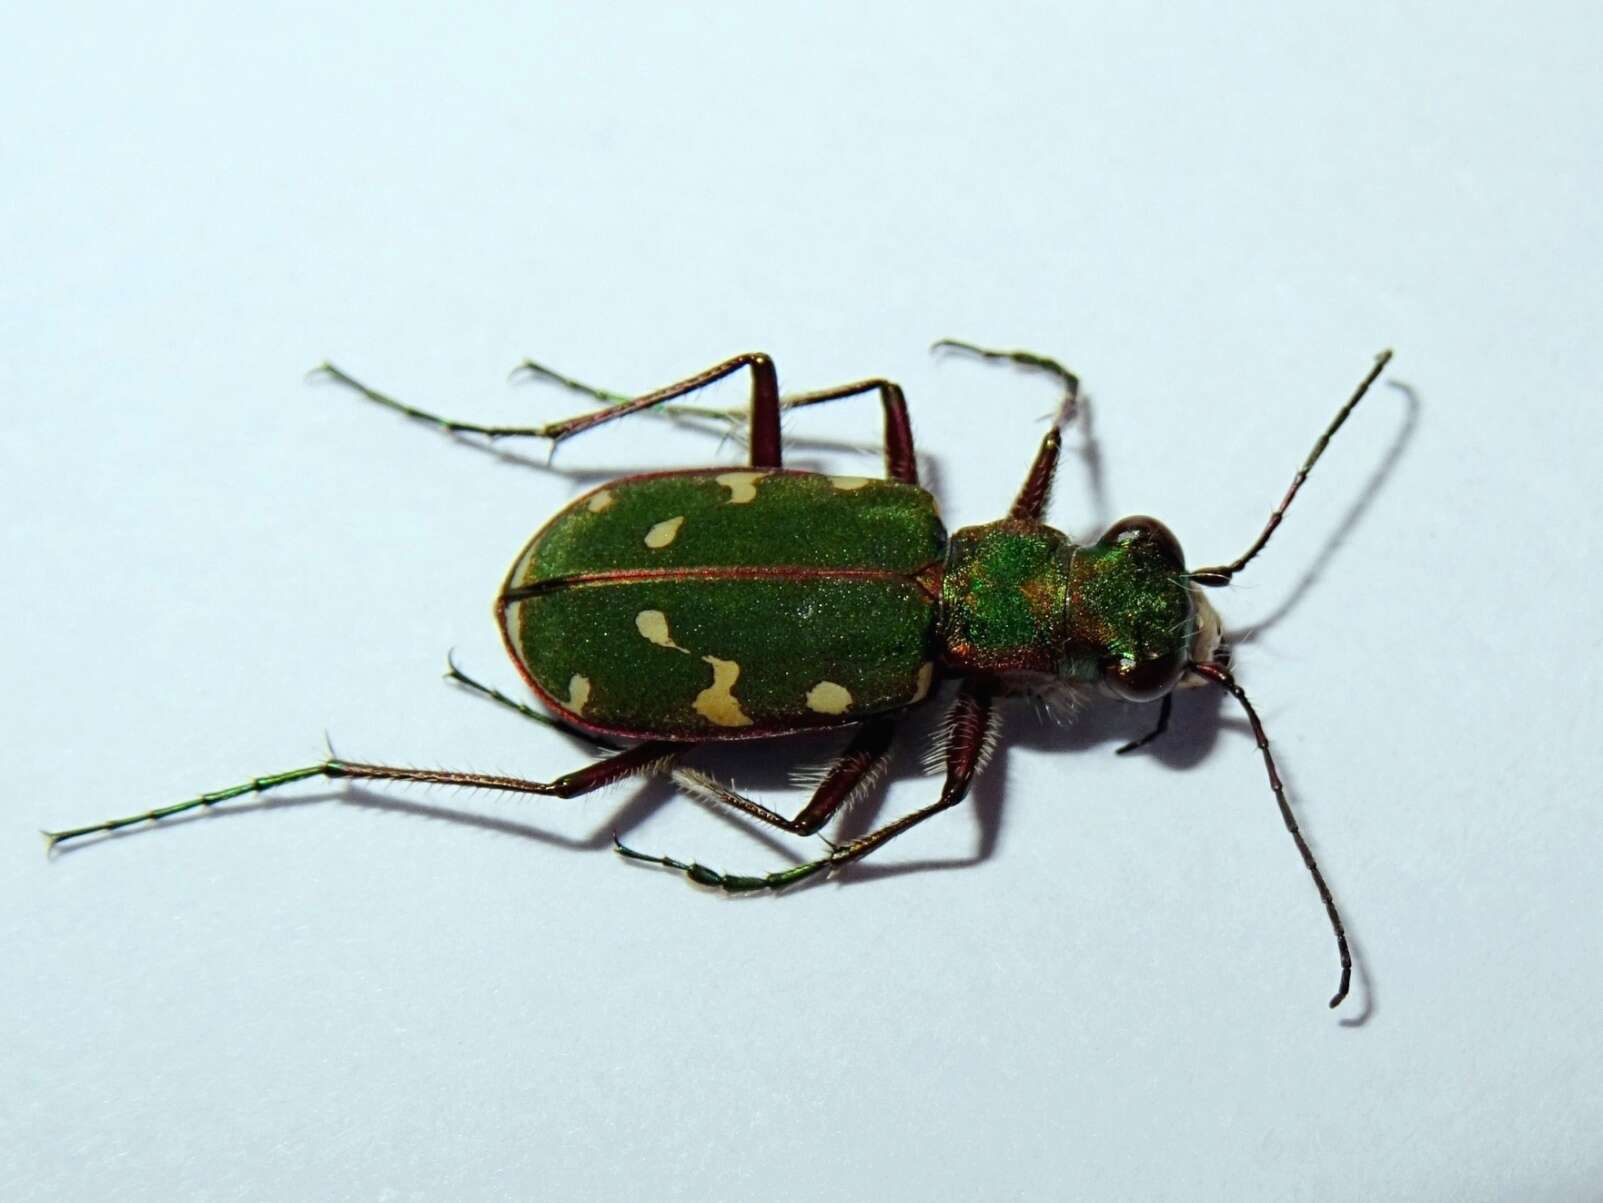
(1217, 216)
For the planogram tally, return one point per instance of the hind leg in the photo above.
(642, 758)
(765, 446)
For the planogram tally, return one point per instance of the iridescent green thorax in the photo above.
(1129, 607)
(1003, 598)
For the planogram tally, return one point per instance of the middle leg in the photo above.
(970, 731)
(900, 460)
(854, 771)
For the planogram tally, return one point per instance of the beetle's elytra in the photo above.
(664, 611)
(729, 605)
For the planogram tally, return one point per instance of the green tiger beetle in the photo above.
(665, 611)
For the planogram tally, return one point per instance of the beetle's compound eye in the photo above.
(1145, 680)
(1153, 538)
(1147, 610)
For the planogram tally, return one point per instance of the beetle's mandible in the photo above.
(662, 612)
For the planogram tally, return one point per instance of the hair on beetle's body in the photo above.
(661, 612)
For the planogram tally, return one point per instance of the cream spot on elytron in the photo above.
(828, 698)
(926, 675)
(522, 569)
(653, 624)
(742, 486)
(599, 501)
(578, 693)
(512, 624)
(664, 533)
(847, 483)
(717, 704)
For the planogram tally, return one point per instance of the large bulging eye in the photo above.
(1150, 534)
(1148, 679)
(1146, 608)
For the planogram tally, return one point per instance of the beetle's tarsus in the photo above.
(730, 883)
(1138, 743)
(1161, 726)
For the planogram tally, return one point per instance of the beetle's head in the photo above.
(1135, 618)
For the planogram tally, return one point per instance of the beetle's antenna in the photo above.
(1221, 574)
(1220, 675)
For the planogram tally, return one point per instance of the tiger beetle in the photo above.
(665, 611)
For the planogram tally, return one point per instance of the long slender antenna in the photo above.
(1220, 676)
(1221, 574)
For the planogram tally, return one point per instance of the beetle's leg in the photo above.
(695, 413)
(765, 450)
(970, 735)
(900, 462)
(1033, 497)
(1163, 725)
(854, 772)
(642, 758)
(450, 425)
(456, 675)
(1024, 359)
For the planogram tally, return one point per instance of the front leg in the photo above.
(1037, 488)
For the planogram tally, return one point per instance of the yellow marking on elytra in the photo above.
(926, 676)
(600, 501)
(525, 562)
(664, 533)
(717, 704)
(742, 486)
(578, 693)
(847, 483)
(829, 698)
(653, 624)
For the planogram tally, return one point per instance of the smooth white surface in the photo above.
(1216, 217)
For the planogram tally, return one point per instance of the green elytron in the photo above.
(717, 605)
(661, 612)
